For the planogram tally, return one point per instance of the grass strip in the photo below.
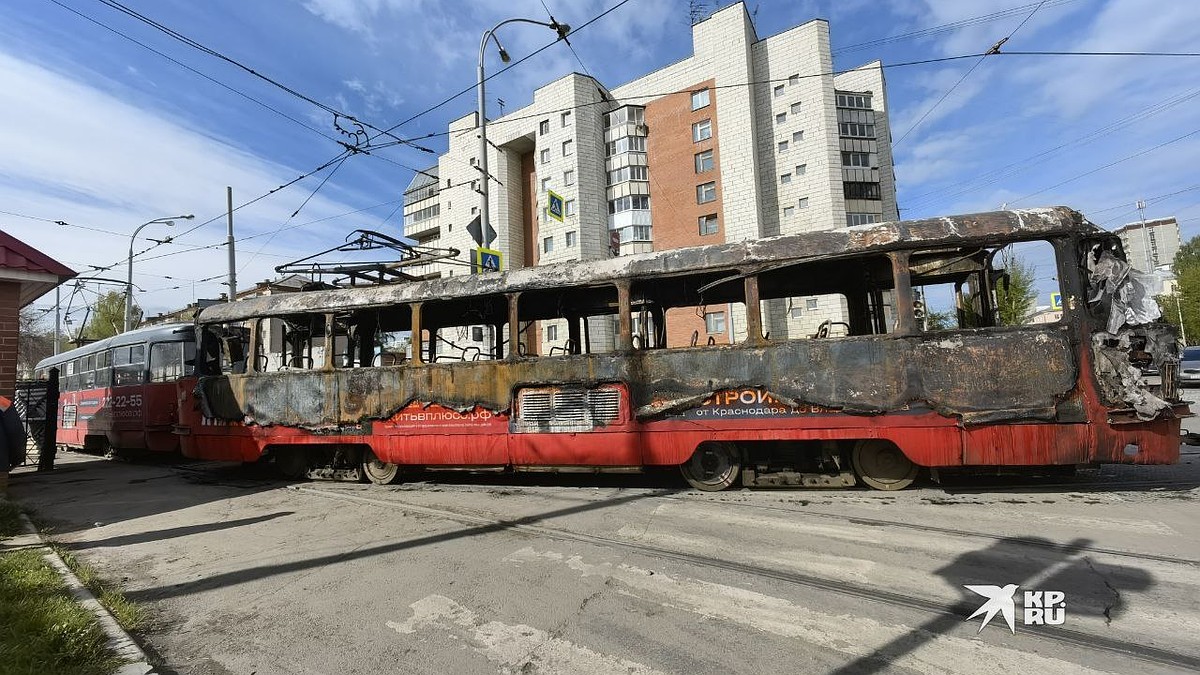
(133, 618)
(10, 522)
(44, 629)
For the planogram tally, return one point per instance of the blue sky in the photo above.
(100, 132)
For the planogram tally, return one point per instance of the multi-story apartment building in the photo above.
(746, 138)
(1151, 245)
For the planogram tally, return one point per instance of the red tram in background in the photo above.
(119, 394)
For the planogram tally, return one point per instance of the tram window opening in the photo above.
(223, 349)
(690, 310)
(450, 329)
(828, 298)
(567, 321)
(166, 361)
(129, 365)
(1025, 283)
(103, 369)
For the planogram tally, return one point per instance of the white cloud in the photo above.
(78, 153)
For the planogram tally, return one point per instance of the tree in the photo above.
(1188, 255)
(34, 342)
(1016, 300)
(108, 316)
(1185, 302)
(940, 321)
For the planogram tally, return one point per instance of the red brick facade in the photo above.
(10, 310)
(674, 181)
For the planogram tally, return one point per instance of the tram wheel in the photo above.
(379, 472)
(713, 466)
(292, 463)
(881, 465)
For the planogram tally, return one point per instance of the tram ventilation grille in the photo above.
(570, 410)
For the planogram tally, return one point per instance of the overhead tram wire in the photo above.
(171, 32)
(994, 50)
(941, 194)
(946, 27)
(505, 69)
(1107, 166)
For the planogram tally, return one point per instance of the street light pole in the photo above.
(1141, 207)
(484, 214)
(129, 271)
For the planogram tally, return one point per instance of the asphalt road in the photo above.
(582, 574)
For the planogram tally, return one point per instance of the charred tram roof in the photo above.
(745, 256)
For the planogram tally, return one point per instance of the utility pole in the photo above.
(1141, 206)
(232, 253)
(57, 316)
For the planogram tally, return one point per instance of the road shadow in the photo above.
(175, 532)
(1091, 588)
(86, 491)
(264, 571)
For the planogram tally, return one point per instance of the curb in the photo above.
(119, 641)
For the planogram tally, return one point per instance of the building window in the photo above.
(780, 118)
(704, 161)
(566, 118)
(796, 108)
(783, 146)
(477, 333)
(475, 185)
(701, 131)
(797, 136)
(708, 224)
(551, 333)
(779, 91)
(855, 130)
(794, 79)
(795, 313)
(629, 203)
(473, 160)
(570, 205)
(626, 173)
(789, 211)
(627, 144)
(803, 203)
(714, 322)
(706, 192)
(569, 177)
(853, 219)
(785, 178)
(632, 114)
(545, 155)
(810, 303)
(545, 184)
(548, 244)
(570, 239)
(699, 99)
(857, 159)
(568, 147)
(861, 190)
(854, 101)
(474, 210)
(801, 169)
(544, 127)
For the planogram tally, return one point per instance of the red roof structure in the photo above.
(36, 272)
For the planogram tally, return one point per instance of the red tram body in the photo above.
(973, 396)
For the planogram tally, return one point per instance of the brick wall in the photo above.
(671, 155)
(10, 309)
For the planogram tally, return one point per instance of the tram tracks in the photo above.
(532, 525)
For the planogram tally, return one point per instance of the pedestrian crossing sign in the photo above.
(1056, 301)
(486, 260)
(555, 206)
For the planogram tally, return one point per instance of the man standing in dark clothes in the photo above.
(12, 441)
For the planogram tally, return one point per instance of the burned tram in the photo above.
(595, 367)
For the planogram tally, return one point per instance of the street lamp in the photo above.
(562, 29)
(129, 278)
